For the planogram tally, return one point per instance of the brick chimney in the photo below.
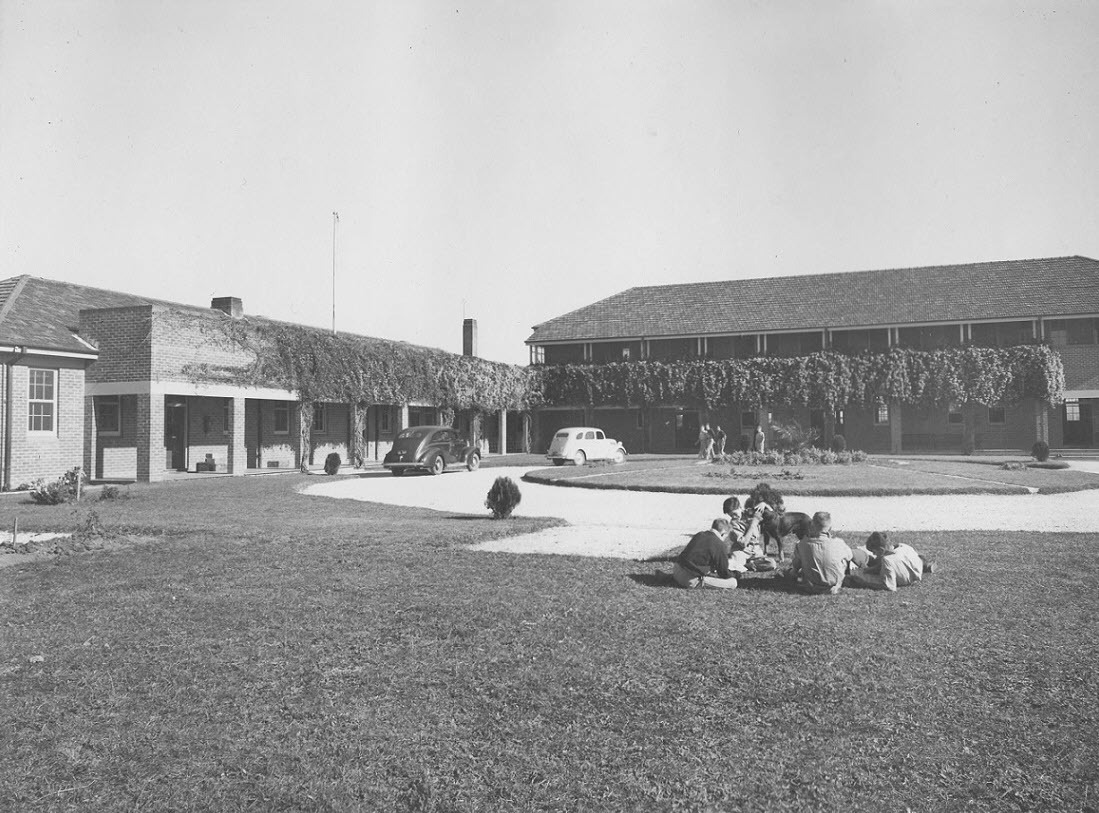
(228, 304)
(469, 337)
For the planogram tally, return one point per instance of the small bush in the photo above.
(61, 490)
(332, 463)
(793, 437)
(1040, 451)
(839, 444)
(503, 497)
(1011, 465)
(111, 493)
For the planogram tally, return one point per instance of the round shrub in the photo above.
(1040, 451)
(332, 464)
(839, 444)
(503, 497)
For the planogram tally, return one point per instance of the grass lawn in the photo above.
(881, 476)
(268, 651)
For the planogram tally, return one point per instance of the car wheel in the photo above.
(620, 456)
(436, 465)
(558, 462)
(580, 458)
(397, 472)
(473, 462)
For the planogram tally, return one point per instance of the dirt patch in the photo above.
(36, 547)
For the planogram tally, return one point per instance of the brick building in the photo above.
(993, 304)
(100, 379)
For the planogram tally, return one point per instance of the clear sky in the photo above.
(512, 161)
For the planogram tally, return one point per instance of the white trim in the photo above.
(1081, 394)
(54, 401)
(34, 351)
(186, 388)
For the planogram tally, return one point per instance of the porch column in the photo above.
(402, 417)
(502, 431)
(151, 465)
(829, 428)
(895, 428)
(1041, 421)
(91, 434)
(237, 459)
(526, 433)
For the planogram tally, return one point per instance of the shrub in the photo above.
(839, 444)
(794, 437)
(332, 463)
(503, 497)
(111, 493)
(1040, 451)
(1012, 465)
(63, 489)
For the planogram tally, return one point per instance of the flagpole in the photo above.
(335, 220)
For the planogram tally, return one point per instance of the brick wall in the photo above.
(47, 454)
(182, 338)
(1081, 366)
(124, 339)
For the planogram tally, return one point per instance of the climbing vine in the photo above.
(990, 376)
(322, 366)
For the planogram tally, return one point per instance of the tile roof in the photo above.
(948, 293)
(44, 314)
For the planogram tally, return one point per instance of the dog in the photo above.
(778, 525)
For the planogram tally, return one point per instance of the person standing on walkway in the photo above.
(705, 442)
(719, 441)
(759, 439)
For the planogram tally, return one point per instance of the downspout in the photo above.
(18, 353)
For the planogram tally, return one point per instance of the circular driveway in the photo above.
(635, 525)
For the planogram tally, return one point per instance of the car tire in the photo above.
(397, 472)
(620, 456)
(580, 458)
(473, 462)
(436, 465)
(557, 462)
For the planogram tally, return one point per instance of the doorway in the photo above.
(1078, 418)
(175, 435)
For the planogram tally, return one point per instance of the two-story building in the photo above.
(997, 304)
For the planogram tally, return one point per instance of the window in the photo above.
(282, 419)
(640, 419)
(747, 420)
(1080, 331)
(955, 414)
(625, 354)
(997, 415)
(882, 415)
(108, 415)
(1072, 409)
(42, 401)
(320, 418)
(384, 420)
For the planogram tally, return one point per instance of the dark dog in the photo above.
(779, 525)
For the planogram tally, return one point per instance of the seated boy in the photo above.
(820, 560)
(705, 560)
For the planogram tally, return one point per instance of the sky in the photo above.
(513, 161)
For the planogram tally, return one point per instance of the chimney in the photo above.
(469, 337)
(228, 304)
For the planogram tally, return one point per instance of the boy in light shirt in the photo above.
(890, 566)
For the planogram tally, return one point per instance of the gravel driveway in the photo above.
(636, 525)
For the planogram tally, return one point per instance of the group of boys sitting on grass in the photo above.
(822, 563)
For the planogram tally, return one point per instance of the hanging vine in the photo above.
(990, 376)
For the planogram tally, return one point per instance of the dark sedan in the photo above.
(432, 449)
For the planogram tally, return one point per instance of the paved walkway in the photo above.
(635, 525)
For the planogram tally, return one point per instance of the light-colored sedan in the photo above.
(583, 443)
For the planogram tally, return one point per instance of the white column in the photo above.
(503, 431)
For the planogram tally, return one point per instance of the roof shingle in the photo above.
(1023, 289)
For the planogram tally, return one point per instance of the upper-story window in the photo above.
(320, 419)
(42, 401)
(108, 415)
(282, 419)
(1072, 331)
